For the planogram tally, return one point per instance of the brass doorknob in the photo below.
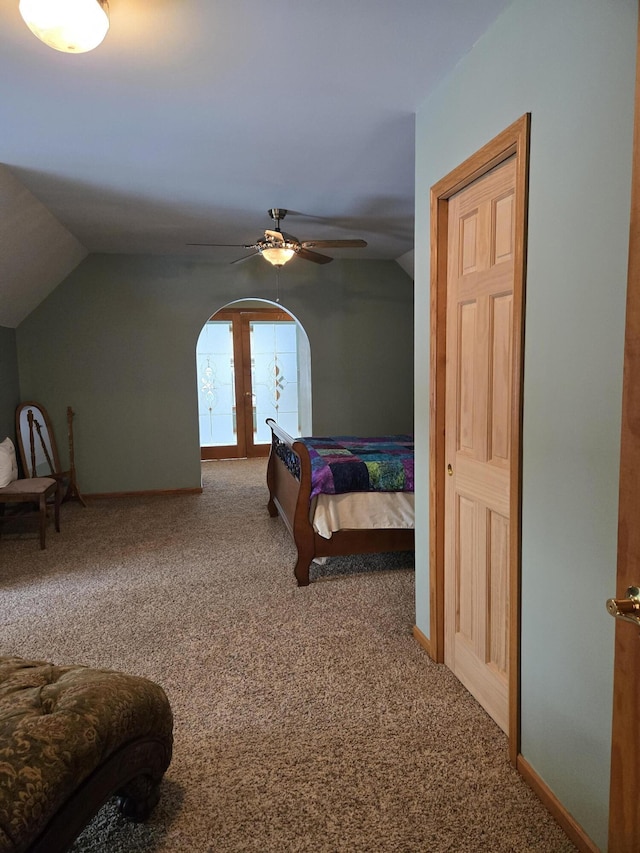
(450, 470)
(626, 608)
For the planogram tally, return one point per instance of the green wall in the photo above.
(9, 387)
(571, 63)
(116, 342)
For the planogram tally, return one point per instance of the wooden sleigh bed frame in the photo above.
(289, 497)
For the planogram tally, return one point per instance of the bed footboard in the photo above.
(289, 483)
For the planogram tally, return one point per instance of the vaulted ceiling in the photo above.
(194, 117)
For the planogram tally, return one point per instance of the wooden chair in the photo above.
(39, 450)
(32, 490)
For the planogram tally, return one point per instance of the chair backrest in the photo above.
(36, 441)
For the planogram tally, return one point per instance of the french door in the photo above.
(247, 372)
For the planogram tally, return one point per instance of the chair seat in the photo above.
(28, 486)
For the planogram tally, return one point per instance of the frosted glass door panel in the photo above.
(216, 384)
(274, 378)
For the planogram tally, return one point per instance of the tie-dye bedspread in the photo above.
(349, 464)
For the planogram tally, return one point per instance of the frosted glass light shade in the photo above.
(278, 256)
(72, 26)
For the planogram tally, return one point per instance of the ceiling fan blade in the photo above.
(245, 258)
(222, 245)
(334, 244)
(316, 257)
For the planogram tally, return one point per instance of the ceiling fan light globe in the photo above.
(71, 26)
(277, 255)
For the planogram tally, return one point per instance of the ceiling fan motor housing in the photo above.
(277, 213)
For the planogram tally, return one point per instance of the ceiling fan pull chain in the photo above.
(278, 285)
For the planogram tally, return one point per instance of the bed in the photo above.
(326, 517)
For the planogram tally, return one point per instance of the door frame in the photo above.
(514, 140)
(624, 811)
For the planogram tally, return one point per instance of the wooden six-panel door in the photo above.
(479, 381)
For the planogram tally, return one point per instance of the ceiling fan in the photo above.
(278, 247)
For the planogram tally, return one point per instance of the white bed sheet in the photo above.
(358, 510)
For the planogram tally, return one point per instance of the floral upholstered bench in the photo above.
(70, 738)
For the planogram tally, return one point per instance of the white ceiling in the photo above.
(196, 116)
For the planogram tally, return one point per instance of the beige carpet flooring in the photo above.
(305, 719)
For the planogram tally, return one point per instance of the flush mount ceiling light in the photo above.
(72, 26)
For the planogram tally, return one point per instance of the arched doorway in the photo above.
(253, 362)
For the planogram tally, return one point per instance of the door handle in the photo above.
(450, 470)
(627, 608)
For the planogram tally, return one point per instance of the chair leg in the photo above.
(57, 507)
(43, 520)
